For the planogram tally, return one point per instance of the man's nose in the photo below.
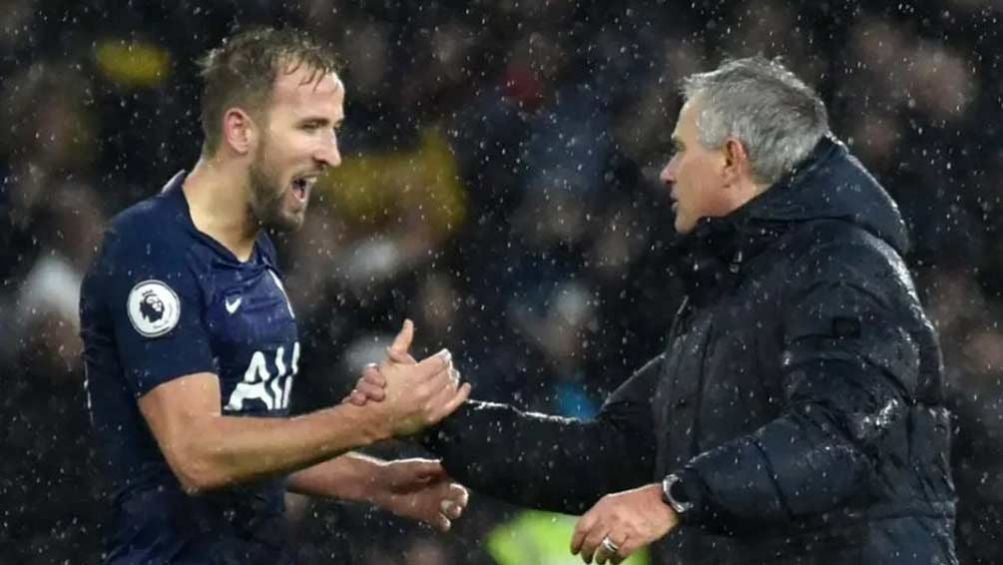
(668, 175)
(329, 155)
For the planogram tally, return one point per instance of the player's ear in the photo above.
(239, 131)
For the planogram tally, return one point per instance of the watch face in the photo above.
(677, 492)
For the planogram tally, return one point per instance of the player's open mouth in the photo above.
(301, 187)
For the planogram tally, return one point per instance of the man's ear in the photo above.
(736, 160)
(239, 131)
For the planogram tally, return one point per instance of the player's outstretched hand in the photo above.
(414, 394)
(420, 489)
(372, 384)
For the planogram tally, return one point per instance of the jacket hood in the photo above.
(830, 184)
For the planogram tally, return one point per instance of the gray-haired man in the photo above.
(796, 415)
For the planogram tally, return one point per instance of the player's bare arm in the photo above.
(208, 450)
(412, 488)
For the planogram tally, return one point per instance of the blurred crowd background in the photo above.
(499, 188)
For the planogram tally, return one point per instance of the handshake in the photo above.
(404, 395)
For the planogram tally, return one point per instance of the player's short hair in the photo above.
(773, 113)
(243, 70)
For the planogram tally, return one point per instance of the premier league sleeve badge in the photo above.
(154, 308)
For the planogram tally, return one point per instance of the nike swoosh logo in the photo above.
(231, 307)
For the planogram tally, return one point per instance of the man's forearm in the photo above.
(228, 450)
(351, 476)
(547, 462)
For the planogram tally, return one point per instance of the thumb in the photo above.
(398, 350)
(397, 357)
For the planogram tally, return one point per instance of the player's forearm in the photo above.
(228, 450)
(350, 476)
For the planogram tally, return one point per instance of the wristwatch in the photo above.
(674, 496)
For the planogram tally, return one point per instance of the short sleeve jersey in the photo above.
(162, 301)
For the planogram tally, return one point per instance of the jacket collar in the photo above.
(828, 184)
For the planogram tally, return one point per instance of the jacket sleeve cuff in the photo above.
(694, 491)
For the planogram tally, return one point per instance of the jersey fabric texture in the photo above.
(162, 301)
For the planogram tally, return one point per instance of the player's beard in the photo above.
(268, 197)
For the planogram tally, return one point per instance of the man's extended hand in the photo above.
(412, 394)
(630, 519)
(371, 385)
(420, 489)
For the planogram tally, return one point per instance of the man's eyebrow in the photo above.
(317, 120)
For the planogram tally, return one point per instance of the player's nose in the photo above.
(328, 155)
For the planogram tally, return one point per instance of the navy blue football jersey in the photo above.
(161, 301)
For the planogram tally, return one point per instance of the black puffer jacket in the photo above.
(799, 398)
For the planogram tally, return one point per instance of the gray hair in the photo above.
(777, 117)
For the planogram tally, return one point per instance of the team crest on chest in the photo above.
(154, 308)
